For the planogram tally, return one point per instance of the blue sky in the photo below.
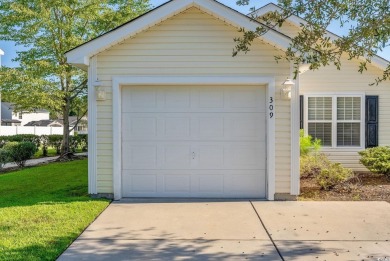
(10, 49)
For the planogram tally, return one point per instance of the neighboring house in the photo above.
(80, 127)
(10, 117)
(173, 114)
(44, 123)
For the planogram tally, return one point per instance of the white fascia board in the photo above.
(81, 54)
(376, 60)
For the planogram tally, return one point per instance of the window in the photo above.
(335, 120)
(20, 116)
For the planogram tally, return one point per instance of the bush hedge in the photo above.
(20, 152)
(377, 159)
(326, 173)
(21, 147)
(79, 141)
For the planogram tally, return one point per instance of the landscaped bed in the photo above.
(43, 209)
(363, 187)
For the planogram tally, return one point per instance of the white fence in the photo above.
(14, 130)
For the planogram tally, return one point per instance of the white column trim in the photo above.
(295, 150)
(92, 128)
(118, 82)
(271, 177)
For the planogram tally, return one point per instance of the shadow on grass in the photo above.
(38, 251)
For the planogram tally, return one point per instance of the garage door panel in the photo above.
(193, 155)
(210, 184)
(246, 156)
(173, 99)
(198, 126)
(177, 98)
(139, 156)
(245, 184)
(177, 156)
(247, 126)
(139, 126)
(139, 97)
(244, 98)
(195, 183)
(177, 127)
(210, 156)
(210, 98)
(211, 127)
(143, 183)
(180, 183)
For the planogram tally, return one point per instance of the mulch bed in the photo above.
(364, 187)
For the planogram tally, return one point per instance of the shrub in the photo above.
(307, 144)
(3, 140)
(333, 175)
(311, 165)
(4, 157)
(45, 145)
(327, 174)
(377, 159)
(83, 142)
(74, 142)
(26, 138)
(20, 152)
(56, 142)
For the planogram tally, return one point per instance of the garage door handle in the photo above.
(193, 155)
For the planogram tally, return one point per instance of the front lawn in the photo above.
(51, 152)
(43, 209)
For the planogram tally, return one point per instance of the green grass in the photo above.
(51, 152)
(43, 209)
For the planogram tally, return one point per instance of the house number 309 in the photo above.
(271, 107)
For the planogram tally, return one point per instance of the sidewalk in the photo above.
(33, 162)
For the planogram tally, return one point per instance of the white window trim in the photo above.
(334, 117)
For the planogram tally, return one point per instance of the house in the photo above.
(10, 117)
(80, 127)
(44, 123)
(173, 114)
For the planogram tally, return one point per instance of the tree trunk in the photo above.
(65, 150)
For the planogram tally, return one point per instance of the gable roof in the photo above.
(11, 106)
(376, 60)
(80, 55)
(43, 123)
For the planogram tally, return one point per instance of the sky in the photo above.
(10, 49)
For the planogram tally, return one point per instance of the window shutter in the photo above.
(372, 115)
(301, 108)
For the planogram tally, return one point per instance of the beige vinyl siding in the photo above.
(191, 43)
(349, 80)
(288, 29)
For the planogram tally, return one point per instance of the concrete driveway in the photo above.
(237, 230)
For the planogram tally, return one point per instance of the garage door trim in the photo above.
(118, 82)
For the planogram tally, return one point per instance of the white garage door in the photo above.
(194, 141)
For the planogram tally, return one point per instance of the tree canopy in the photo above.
(49, 28)
(368, 22)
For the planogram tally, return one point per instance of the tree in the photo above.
(49, 28)
(369, 32)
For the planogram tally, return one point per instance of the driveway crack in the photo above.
(266, 230)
